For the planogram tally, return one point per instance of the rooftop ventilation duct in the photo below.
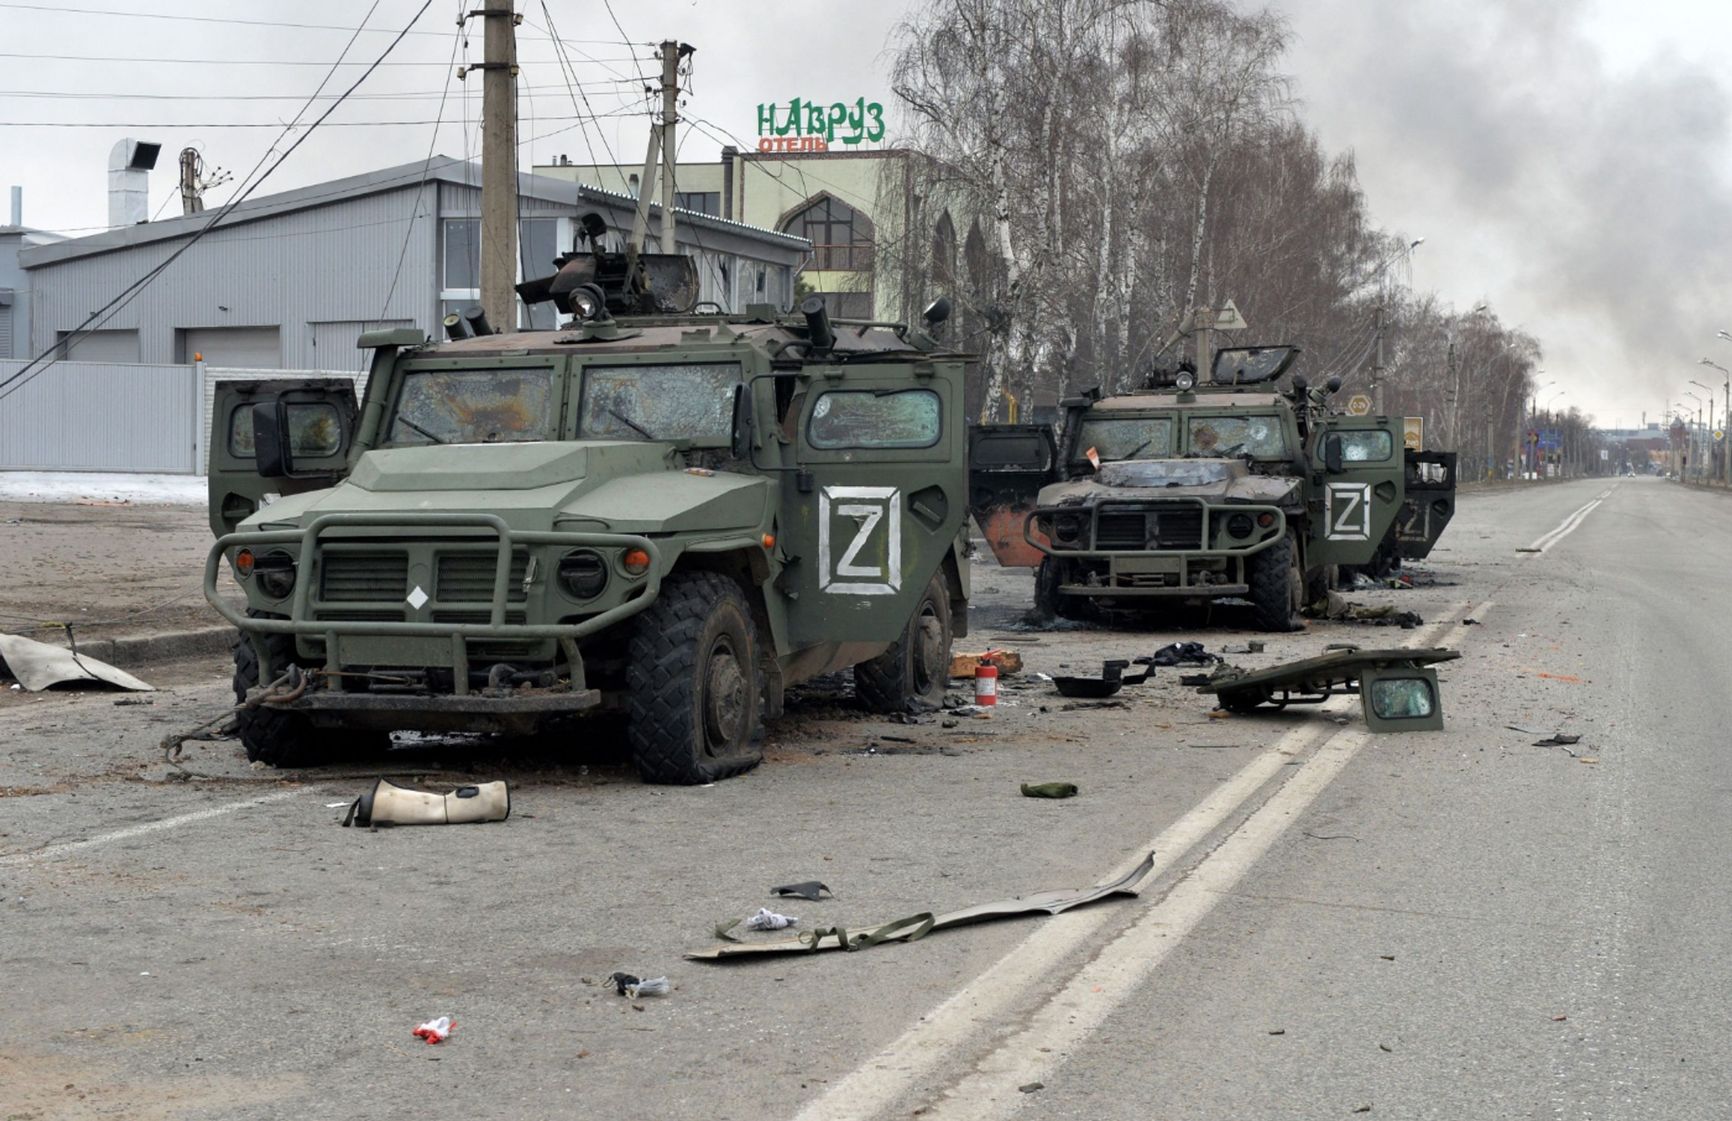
(129, 164)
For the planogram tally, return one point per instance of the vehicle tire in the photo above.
(1243, 702)
(1052, 603)
(694, 685)
(1277, 586)
(1319, 582)
(916, 669)
(281, 738)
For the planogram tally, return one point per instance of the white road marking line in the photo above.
(888, 1076)
(1566, 527)
(148, 827)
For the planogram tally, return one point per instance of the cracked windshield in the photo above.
(1137, 437)
(1256, 436)
(673, 402)
(473, 407)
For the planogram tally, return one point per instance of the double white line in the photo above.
(1566, 527)
(1100, 983)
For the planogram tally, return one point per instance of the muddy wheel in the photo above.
(916, 668)
(281, 738)
(1318, 583)
(694, 686)
(1051, 602)
(1277, 586)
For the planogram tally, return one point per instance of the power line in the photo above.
(458, 38)
(102, 315)
(251, 62)
(396, 95)
(61, 10)
(622, 112)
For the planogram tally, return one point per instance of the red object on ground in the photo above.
(986, 684)
(435, 1031)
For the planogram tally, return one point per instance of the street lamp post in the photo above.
(1556, 397)
(1377, 362)
(1695, 430)
(1533, 451)
(1727, 424)
(1707, 436)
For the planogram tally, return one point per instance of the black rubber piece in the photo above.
(1272, 607)
(894, 681)
(697, 616)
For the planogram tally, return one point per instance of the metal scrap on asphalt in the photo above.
(38, 666)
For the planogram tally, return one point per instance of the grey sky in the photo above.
(1564, 159)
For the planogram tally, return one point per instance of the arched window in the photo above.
(841, 236)
(974, 253)
(944, 252)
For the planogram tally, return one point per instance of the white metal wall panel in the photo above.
(115, 345)
(331, 344)
(89, 416)
(5, 332)
(249, 348)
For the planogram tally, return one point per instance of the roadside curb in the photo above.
(133, 651)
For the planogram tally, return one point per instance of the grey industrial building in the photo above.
(290, 280)
(14, 285)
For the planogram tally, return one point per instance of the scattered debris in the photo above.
(914, 927)
(767, 919)
(1030, 1087)
(390, 804)
(1095, 688)
(965, 665)
(1277, 1031)
(38, 666)
(627, 985)
(811, 890)
(1558, 739)
(1337, 608)
(1397, 692)
(1181, 654)
(1470, 622)
(1248, 648)
(435, 1031)
(1049, 790)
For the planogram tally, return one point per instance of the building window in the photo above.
(462, 253)
(841, 236)
(944, 252)
(704, 202)
(847, 305)
(538, 241)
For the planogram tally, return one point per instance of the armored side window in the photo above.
(864, 418)
(315, 430)
(1366, 447)
(1260, 437)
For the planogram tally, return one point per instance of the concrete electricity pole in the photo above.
(499, 166)
(672, 52)
(1377, 367)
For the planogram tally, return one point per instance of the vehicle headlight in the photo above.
(275, 572)
(1239, 525)
(1067, 528)
(582, 574)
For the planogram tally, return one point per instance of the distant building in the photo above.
(15, 289)
(873, 236)
(289, 281)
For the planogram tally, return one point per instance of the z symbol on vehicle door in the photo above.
(1347, 512)
(860, 540)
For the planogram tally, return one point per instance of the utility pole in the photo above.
(499, 166)
(672, 52)
(1377, 368)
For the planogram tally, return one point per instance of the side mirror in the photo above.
(1332, 461)
(270, 440)
(744, 422)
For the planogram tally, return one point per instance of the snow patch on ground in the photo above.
(101, 489)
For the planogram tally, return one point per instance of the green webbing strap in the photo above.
(911, 929)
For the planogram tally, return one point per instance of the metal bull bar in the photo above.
(496, 627)
(1092, 512)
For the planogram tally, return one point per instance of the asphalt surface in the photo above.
(1451, 925)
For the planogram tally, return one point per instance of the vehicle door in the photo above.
(877, 497)
(1007, 466)
(1357, 463)
(1428, 503)
(314, 421)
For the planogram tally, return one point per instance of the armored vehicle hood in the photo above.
(1218, 479)
(624, 486)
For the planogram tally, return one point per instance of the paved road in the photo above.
(1449, 925)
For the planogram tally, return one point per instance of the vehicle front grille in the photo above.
(468, 577)
(1174, 526)
(482, 617)
(357, 615)
(349, 576)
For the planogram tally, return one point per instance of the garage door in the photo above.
(101, 346)
(233, 348)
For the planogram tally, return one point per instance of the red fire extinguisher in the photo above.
(985, 683)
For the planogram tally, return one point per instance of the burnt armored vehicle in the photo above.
(1197, 491)
(667, 515)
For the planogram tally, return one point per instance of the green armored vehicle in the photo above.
(1197, 492)
(666, 515)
